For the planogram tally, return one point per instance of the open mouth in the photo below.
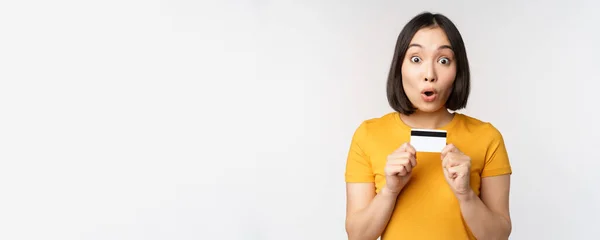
(429, 95)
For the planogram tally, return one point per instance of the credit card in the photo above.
(428, 140)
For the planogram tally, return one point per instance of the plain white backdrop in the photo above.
(173, 119)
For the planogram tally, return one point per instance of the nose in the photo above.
(430, 75)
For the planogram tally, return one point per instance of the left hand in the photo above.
(457, 170)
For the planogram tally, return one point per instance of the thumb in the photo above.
(402, 148)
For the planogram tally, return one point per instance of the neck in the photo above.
(428, 120)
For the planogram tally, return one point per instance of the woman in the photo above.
(396, 191)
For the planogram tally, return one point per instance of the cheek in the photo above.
(446, 72)
(409, 78)
(446, 79)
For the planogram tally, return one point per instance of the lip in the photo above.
(429, 90)
(430, 98)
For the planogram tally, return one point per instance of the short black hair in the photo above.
(461, 87)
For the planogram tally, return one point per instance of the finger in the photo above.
(397, 170)
(409, 148)
(407, 166)
(413, 161)
(448, 149)
(452, 159)
(458, 171)
(452, 172)
(399, 155)
(394, 170)
(459, 159)
(402, 158)
(445, 161)
(402, 148)
(410, 160)
(402, 171)
(400, 163)
(406, 147)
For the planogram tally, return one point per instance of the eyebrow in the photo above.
(441, 47)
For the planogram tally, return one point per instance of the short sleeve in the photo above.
(358, 165)
(496, 159)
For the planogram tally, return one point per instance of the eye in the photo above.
(415, 59)
(444, 61)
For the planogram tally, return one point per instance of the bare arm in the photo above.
(367, 213)
(488, 217)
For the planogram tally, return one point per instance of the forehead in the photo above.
(430, 37)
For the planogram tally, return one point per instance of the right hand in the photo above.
(399, 167)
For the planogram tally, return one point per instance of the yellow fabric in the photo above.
(426, 208)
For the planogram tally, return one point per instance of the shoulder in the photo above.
(377, 123)
(479, 127)
(485, 144)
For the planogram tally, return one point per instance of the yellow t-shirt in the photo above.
(426, 208)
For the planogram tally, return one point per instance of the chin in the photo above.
(429, 108)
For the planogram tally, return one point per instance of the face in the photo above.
(429, 70)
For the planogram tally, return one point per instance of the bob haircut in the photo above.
(460, 88)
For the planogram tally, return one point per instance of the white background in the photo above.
(231, 120)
